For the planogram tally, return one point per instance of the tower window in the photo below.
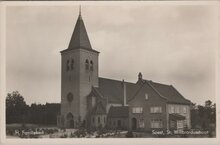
(67, 65)
(91, 65)
(72, 64)
(87, 64)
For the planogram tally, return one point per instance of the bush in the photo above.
(63, 136)
(129, 134)
(80, 133)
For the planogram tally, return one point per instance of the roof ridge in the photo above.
(158, 83)
(116, 80)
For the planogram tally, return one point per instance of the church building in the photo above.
(90, 101)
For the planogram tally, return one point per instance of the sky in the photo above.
(171, 44)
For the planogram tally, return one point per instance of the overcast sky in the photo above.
(167, 43)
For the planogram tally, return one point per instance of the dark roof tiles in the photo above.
(80, 37)
(112, 90)
(170, 93)
(118, 111)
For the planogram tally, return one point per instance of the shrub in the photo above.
(129, 134)
(63, 136)
(80, 133)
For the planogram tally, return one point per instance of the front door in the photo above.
(119, 124)
(71, 125)
(134, 123)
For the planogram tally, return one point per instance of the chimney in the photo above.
(124, 93)
(139, 76)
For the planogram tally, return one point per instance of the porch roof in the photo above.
(175, 116)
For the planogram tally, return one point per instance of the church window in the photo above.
(91, 65)
(93, 101)
(87, 64)
(67, 65)
(93, 119)
(98, 119)
(70, 97)
(72, 64)
(104, 119)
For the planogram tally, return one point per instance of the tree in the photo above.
(16, 108)
(17, 111)
(203, 116)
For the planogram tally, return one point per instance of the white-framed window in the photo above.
(172, 109)
(141, 123)
(156, 109)
(137, 110)
(146, 96)
(179, 124)
(184, 110)
(185, 123)
(177, 109)
(156, 123)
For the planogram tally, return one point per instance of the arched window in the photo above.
(69, 97)
(87, 64)
(91, 65)
(67, 65)
(72, 64)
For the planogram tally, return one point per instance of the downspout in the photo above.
(124, 94)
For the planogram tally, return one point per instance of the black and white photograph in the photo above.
(90, 70)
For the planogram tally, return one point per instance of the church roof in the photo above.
(118, 111)
(112, 90)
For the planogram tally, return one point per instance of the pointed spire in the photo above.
(80, 37)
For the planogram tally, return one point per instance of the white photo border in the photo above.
(127, 141)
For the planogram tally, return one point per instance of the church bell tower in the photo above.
(79, 73)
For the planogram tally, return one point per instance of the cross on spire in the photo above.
(80, 10)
